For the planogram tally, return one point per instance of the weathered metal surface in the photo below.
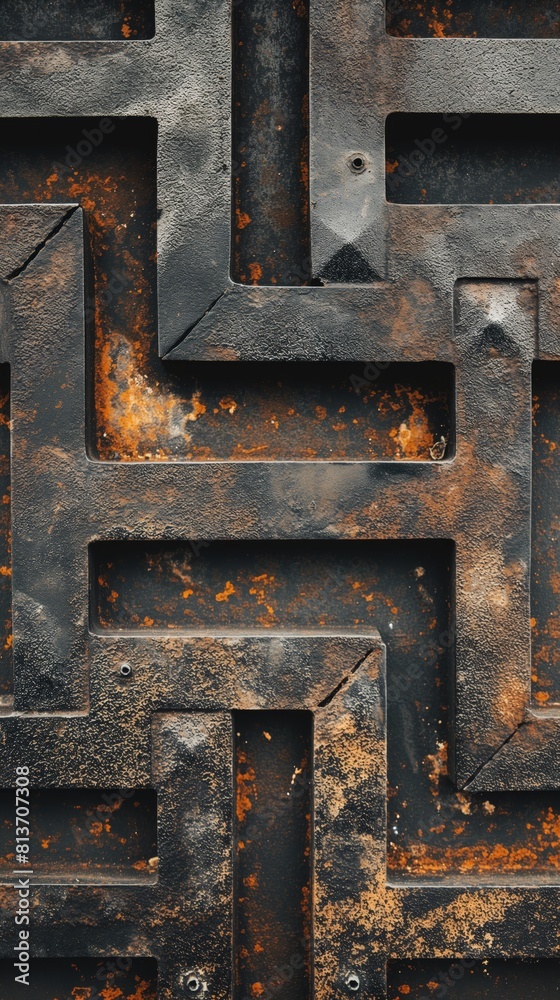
(473, 18)
(491, 979)
(112, 20)
(545, 580)
(82, 836)
(6, 669)
(273, 843)
(205, 554)
(270, 164)
(487, 159)
(264, 585)
(86, 979)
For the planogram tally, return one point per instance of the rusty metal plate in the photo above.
(279, 545)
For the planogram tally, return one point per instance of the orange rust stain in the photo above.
(255, 273)
(246, 790)
(111, 993)
(413, 436)
(437, 28)
(541, 696)
(243, 219)
(226, 593)
(438, 766)
(143, 991)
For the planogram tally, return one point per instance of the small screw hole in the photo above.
(193, 984)
(126, 670)
(357, 163)
(353, 982)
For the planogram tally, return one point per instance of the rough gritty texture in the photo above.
(470, 285)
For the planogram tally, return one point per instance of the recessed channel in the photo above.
(271, 243)
(436, 833)
(306, 412)
(473, 18)
(117, 977)
(481, 159)
(545, 557)
(93, 836)
(108, 166)
(256, 586)
(66, 20)
(273, 853)
(474, 979)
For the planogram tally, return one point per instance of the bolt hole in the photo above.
(353, 982)
(357, 163)
(126, 670)
(193, 984)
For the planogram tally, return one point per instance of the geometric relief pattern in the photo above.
(279, 562)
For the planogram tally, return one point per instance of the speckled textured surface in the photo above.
(334, 501)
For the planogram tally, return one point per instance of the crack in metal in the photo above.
(465, 787)
(41, 246)
(330, 697)
(183, 337)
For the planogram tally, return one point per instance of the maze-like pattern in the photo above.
(303, 531)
